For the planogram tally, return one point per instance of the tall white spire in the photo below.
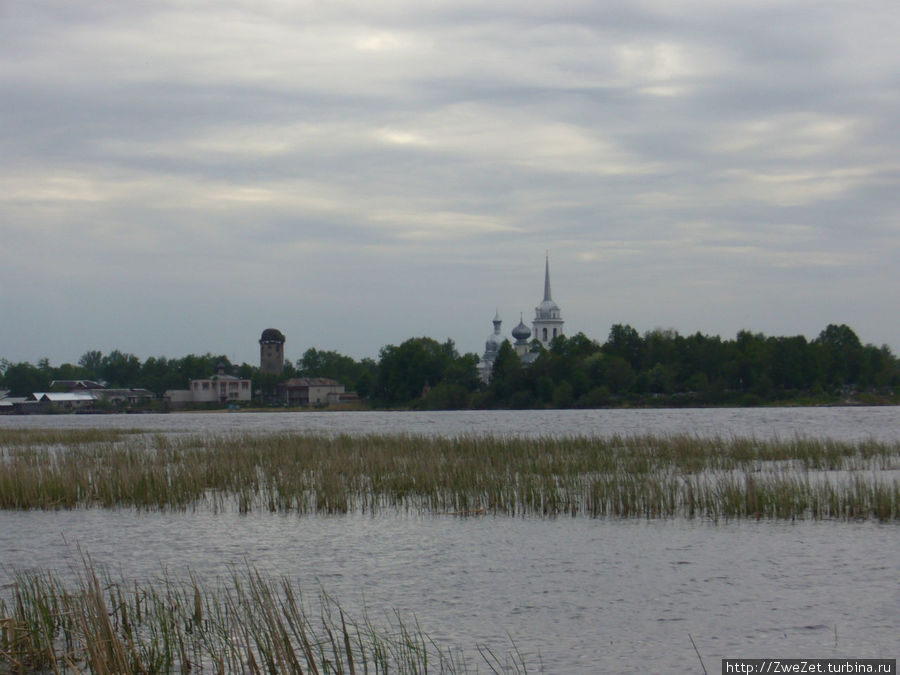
(547, 296)
(548, 322)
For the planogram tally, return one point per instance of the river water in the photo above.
(840, 423)
(577, 595)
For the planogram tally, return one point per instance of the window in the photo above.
(245, 385)
(545, 334)
(206, 386)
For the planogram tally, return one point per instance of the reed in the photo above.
(623, 476)
(246, 624)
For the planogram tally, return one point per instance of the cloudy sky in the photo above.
(177, 176)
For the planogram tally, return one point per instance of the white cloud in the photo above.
(793, 188)
(790, 136)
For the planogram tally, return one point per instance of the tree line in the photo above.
(659, 367)
(662, 367)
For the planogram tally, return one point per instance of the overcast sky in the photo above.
(177, 176)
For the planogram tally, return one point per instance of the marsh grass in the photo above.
(245, 624)
(626, 476)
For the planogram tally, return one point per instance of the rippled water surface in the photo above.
(846, 423)
(579, 595)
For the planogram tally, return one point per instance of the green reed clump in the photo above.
(626, 476)
(246, 624)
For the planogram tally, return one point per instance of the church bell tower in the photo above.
(548, 322)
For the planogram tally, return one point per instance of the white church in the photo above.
(547, 324)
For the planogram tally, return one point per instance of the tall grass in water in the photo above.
(244, 625)
(631, 476)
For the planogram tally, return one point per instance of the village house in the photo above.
(119, 397)
(219, 388)
(63, 401)
(305, 391)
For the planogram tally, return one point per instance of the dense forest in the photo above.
(658, 368)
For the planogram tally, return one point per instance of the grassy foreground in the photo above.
(245, 625)
(633, 476)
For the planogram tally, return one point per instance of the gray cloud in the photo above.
(175, 179)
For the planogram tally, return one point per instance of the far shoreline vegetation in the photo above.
(659, 369)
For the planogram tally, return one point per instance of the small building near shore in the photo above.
(305, 391)
(18, 405)
(66, 401)
(219, 388)
(124, 397)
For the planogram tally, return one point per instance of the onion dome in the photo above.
(521, 332)
(492, 344)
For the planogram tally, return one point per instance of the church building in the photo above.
(547, 324)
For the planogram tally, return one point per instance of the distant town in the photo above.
(540, 367)
(657, 368)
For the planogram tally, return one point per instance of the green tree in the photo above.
(23, 379)
(68, 371)
(625, 342)
(364, 384)
(354, 375)
(753, 360)
(158, 374)
(883, 366)
(91, 362)
(617, 374)
(405, 370)
(793, 363)
(120, 369)
(563, 396)
(506, 375)
(841, 355)
(446, 396)
(545, 388)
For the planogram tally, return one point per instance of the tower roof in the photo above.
(272, 335)
(547, 309)
(495, 339)
(547, 295)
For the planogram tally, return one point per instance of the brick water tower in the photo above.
(271, 351)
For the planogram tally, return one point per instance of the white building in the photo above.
(548, 322)
(219, 388)
(67, 400)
